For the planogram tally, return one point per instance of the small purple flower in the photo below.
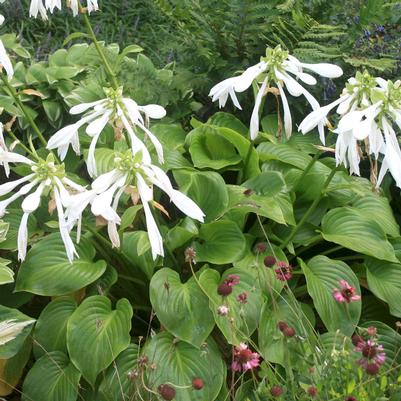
(283, 271)
(346, 293)
(244, 359)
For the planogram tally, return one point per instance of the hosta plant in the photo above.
(144, 261)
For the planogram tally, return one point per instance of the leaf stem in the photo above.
(242, 172)
(312, 207)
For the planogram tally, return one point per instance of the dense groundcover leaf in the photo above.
(47, 271)
(181, 307)
(96, 334)
(384, 280)
(178, 362)
(116, 385)
(50, 332)
(52, 378)
(322, 277)
(344, 226)
(242, 319)
(219, 242)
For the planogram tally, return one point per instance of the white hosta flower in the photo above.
(11, 328)
(38, 8)
(131, 170)
(52, 4)
(113, 109)
(6, 62)
(368, 107)
(45, 175)
(274, 69)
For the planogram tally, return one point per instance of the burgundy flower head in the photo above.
(276, 391)
(197, 383)
(167, 392)
(232, 280)
(269, 261)
(244, 359)
(242, 298)
(283, 271)
(373, 356)
(346, 293)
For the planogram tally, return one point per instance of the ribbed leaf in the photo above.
(50, 332)
(183, 309)
(47, 271)
(384, 280)
(322, 277)
(179, 362)
(52, 378)
(13, 218)
(96, 334)
(350, 228)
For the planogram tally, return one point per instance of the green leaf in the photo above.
(6, 274)
(116, 385)
(384, 280)
(179, 362)
(104, 283)
(227, 120)
(322, 277)
(15, 327)
(246, 316)
(13, 218)
(47, 271)
(129, 50)
(129, 216)
(96, 334)
(378, 209)
(73, 36)
(52, 378)
(50, 332)
(183, 309)
(207, 189)
(350, 228)
(219, 242)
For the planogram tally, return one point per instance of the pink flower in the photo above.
(222, 310)
(232, 280)
(244, 359)
(372, 354)
(242, 298)
(283, 271)
(346, 293)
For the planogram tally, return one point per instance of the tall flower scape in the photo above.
(133, 168)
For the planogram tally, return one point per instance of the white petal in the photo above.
(187, 206)
(244, 81)
(132, 110)
(287, 113)
(112, 226)
(11, 157)
(155, 239)
(22, 239)
(91, 162)
(80, 108)
(4, 203)
(5, 61)
(293, 87)
(153, 110)
(254, 124)
(32, 201)
(104, 181)
(158, 146)
(145, 192)
(324, 69)
(9, 186)
(97, 126)
(382, 82)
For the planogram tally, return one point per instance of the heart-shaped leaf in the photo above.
(182, 308)
(344, 226)
(52, 378)
(96, 334)
(179, 362)
(47, 271)
(219, 242)
(50, 332)
(323, 275)
(242, 318)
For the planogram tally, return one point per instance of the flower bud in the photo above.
(289, 332)
(372, 369)
(260, 247)
(282, 325)
(276, 391)
(357, 339)
(269, 261)
(224, 289)
(167, 392)
(197, 383)
(372, 331)
(312, 391)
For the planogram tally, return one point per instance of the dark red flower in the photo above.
(269, 261)
(242, 298)
(167, 392)
(312, 391)
(232, 280)
(289, 332)
(276, 391)
(224, 289)
(283, 271)
(282, 325)
(197, 383)
(350, 398)
(260, 247)
(372, 368)
(356, 339)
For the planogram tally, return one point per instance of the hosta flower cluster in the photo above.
(42, 7)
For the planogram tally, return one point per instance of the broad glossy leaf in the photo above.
(116, 385)
(15, 327)
(350, 228)
(227, 120)
(283, 153)
(182, 308)
(104, 283)
(6, 274)
(179, 362)
(246, 316)
(47, 271)
(384, 280)
(13, 218)
(50, 332)
(207, 189)
(52, 378)
(219, 242)
(96, 334)
(323, 275)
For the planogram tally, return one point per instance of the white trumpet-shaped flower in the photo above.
(40, 7)
(4, 59)
(113, 109)
(45, 176)
(367, 109)
(276, 69)
(130, 170)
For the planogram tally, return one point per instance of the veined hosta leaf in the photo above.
(96, 334)
(384, 280)
(15, 327)
(182, 308)
(350, 228)
(13, 219)
(179, 362)
(245, 316)
(378, 209)
(116, 385)
(10, 329)
(6, 274)
(323, 275)
(52, 378)
(47, 271)
(50, 332)
(227, 120)
(219, 242)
